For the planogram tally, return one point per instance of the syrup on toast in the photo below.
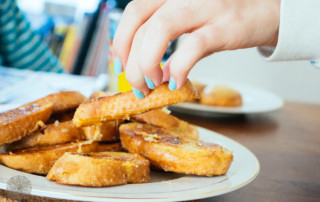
(100, 169)
(176, 154)
(39, 160)
(163, 119)
(19, 122)
(123, 105)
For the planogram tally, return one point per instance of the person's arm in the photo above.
(299, 33)
(20, 47)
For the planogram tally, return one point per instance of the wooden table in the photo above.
(287, 144)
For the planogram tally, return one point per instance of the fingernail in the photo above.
(172, 84)
(137, 93)
(149, 82)
(117, 66)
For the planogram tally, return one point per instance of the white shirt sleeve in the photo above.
(299, 33)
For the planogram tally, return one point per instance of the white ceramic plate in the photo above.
(255, 100)
(163, 186)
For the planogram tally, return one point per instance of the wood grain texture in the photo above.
(287, 144)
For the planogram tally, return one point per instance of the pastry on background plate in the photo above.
(221, 95)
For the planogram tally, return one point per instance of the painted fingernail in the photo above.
(149, 82)
(172, 84)
(117, 66)
(137, 93)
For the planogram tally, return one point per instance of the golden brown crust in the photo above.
(173, 153)
(222, 96)
(39, 160)
(106, 131)
(19, 122)
(63, 101)
(122, 105)
(162, 119)
(100, 169)
(55, 133)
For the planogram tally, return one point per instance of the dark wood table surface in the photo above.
(287, 144)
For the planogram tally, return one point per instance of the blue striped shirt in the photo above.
(20, 46)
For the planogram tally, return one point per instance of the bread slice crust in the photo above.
(63, 101)
(100, 169)
(56, 133)
(176, 154)
(17, 123)
(39, 160)
(123, 105)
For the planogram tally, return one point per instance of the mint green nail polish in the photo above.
(117, 67)
(137, 93)
(172, 84)
(149, 82)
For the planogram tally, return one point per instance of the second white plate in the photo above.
(254, 100)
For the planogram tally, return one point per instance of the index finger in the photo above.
(135, 14)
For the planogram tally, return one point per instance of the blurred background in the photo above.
(80, 33)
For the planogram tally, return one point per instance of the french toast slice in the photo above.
(163, 119)
(123, 105)
(63, 101)
(19, 122)
(100, 169)
(106, 131)
(56, 133)
(39, 160)
(173, 153)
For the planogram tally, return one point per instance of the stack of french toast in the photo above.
(107, 140)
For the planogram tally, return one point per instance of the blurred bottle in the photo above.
(117, 83)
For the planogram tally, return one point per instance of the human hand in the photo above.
(147, 27)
